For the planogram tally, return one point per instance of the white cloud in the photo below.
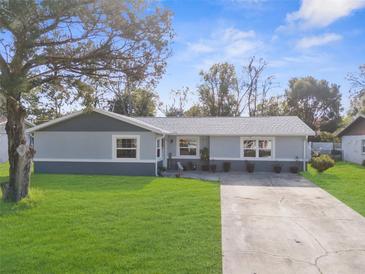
(321, 13)
(200, 47)
(318, 40)
(227, 44)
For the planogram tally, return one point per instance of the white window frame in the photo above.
(363, 146)
(161, 148)
(197, 138)
(257, 139)
(114, 147)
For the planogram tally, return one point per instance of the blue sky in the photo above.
(322, 38)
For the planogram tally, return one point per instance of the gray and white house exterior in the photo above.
(353, 140)
(102, 142)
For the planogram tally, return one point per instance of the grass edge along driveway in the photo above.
(105, 224)
(345, 181)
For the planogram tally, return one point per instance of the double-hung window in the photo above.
(188, 146)
(256, 148)
(249, 148)
(363, 146)
(265, 148)
(126, 147)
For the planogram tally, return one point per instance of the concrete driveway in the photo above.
(285, 224)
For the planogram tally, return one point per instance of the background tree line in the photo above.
(222, 91)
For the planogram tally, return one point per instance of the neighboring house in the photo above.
(4, 138)
(102, 142)
(353, 140)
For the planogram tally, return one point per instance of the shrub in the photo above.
(363, 163)
(322, 163)
(226, 166)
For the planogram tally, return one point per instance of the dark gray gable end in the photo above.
(92, 121)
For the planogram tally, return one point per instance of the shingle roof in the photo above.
(341, 131)
(269, 126)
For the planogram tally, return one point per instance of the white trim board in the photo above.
(257, 149)
(91, 160)
(114, 147)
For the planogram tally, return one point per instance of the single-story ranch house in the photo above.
(353, 140)
(102, 142)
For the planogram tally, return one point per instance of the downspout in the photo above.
(305, 153)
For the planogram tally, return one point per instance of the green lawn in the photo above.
(345, 181)
(111, 224)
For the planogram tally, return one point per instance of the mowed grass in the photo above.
(111, 224)
(345, 181)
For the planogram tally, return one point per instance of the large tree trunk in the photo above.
(20, 154)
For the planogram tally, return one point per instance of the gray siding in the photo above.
(171, 145)
(225, 146)
(93, 121)
(128, 169)
(229, 147)
(289, 147)
(87, 145)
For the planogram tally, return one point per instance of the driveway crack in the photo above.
(318, 242)
(278, 256)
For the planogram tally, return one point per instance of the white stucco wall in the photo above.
(352, 150)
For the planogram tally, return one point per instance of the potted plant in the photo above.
(294, 169)
(226, 166)
(277, 168)
(250, 167)
(213, 168)
(204, 157)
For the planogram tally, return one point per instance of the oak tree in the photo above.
(68, 42)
